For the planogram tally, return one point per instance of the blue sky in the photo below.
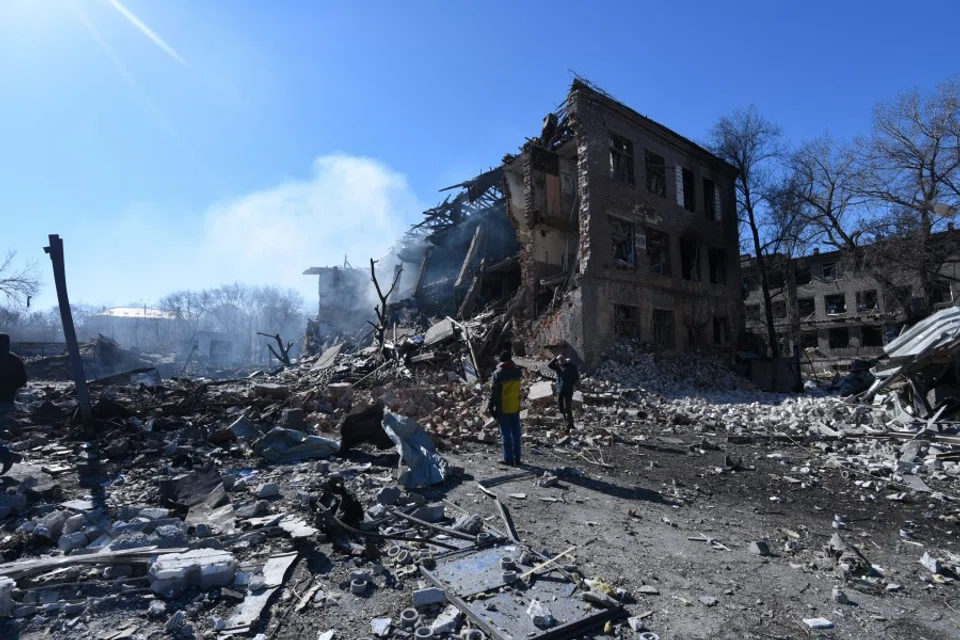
(185, 143)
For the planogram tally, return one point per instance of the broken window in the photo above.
(839, 338)
(658, 250)
(867, 301)
(809, 340)
(802, 274)
(941, 292)
(689, 260)
(717, 262)
(623, 235)
(663, 328)
(871, 336)
(621, 159)
(686, 191)
(836, 304)
(721, 331)
(709, 206)
(831, 271)
(627, 321)
(779, 308)
(806, 307)
(656, 168)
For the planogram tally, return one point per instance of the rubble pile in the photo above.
(193, 503)
(633, 364)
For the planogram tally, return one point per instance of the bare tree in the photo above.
(751, 143)
(381, 327)
(18, 285)
(826, 181)
(911, 167)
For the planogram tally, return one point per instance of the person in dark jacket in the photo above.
(505, 406)
(568, 377)
(13, 376)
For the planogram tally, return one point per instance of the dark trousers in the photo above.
(510, 435)
(565, 403)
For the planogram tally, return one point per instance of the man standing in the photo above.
(13, 376)
(568, 377)
(505, 406)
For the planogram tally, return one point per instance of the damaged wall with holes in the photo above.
(626, 229)
(607, 225)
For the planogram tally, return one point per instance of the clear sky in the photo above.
(180, 144)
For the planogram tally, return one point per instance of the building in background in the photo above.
(837, 313)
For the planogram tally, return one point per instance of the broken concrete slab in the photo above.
(447, 621)
(428, 596)
(439, 333)
(206, 568)
(541, 394)
(248, 612)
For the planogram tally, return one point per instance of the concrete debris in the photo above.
(204, 568)
(211, 484)
(428, 596)
(540, 615)
(818, 624)
(447, 622)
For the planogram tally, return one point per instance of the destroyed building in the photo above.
(838, 312)
(341, 295)
(627, 228)
(607, 225)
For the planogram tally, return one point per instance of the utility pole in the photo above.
(55, 251)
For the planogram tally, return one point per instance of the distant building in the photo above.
(837, 313)
(138, 327)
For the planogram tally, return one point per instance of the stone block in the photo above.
(69, 542)
(204, 568)
(74, 524)
(541, 394)
(447, 621)
(428, 596)
(154, 513)
(268, 490)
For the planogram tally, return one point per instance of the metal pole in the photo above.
(55, 251)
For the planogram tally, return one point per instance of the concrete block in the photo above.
(52, 523)
(154, 513)
(204, 568)
(268, 490)
(541, 394)
(74, 524)
(6, 596)
(69, 542)
(428, 596)
(447, 621)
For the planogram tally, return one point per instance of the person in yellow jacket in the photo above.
(505, 406)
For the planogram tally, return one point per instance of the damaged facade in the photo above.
(607, 225)
(628, 230)
(836, 312)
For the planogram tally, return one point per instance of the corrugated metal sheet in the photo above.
(932, 332)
